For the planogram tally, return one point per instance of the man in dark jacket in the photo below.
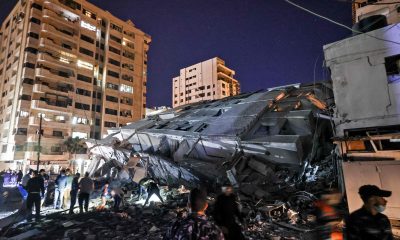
(74, 192)
(368, 222)
(35, 189)
(153, 189)
(226, 212)
(60, 185)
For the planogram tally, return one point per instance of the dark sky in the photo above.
(267, 42)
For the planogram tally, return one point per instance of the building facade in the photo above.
(207, 80)
(366, 8)
(73, 66)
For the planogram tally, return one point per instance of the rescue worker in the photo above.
(153, 189)
(35, 189)
(226, 214)
(195, 226)
(67, 191)
(368, 222)
(74, 192)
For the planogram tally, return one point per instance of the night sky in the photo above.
(267, 42)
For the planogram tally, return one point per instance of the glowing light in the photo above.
(85, 65)
(64, 60)
(88, 26)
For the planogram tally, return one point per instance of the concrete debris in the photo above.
(267, 144)
(133, 221)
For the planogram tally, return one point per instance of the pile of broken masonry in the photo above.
(263, 221)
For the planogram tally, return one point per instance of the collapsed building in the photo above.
(262, 143)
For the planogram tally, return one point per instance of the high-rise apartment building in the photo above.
(207, 80)
(77, 66)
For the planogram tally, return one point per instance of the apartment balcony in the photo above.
(48, 156)
(55, 61)
(35, 121)
(64, 34)
(59, 18)
(63, 91)
(55, 106)
(49, 44)
(44, 73)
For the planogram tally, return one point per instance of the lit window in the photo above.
(79, 135)
(85, 65)
(23, 114)
(88, 26)
(79, 120)
(126, 88)
(60, 118)
(64, 60)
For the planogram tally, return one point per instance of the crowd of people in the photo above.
(228, 223)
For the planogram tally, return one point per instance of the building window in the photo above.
(86, 51)
(115, 39)
(83, 78)
(114, 50)
(87, 39)
(111, 98)
(85, 65)
(57, 133)
(126, 88)
(25, 97)
(127, 66)
(33, 35)
(89, 14)
(127, 101)
(71, 3)
(129, 55)
(392, 65)
(37, 6)
(114, 62)
(223, 85)
(82, 106)
(111, 111)
(29, 65)
(112, 86)
(83, 92)
(110, 124)
(28, 81)
(22, 131)
(4, 148)
(112, 74)
(79, 120)
(23, 114)
(35, 20)
(127, 77)
(115, 27)
(31, 50)
(223, 93)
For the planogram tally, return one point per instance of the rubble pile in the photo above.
(268, 144)
(133, 221)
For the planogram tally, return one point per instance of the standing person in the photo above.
(67, 197)
(86, 186)
(117, 195)
(226, 211)
(368, 222)
(74, 192)
(1, 188)
(19, 176)
(60, 184)
(26, 178)
(105, 194)
(153, 189)
(35, 188)
(195, 226)
(46, 178)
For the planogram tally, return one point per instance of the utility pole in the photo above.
(40, 137)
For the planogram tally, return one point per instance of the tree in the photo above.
(74, 146)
